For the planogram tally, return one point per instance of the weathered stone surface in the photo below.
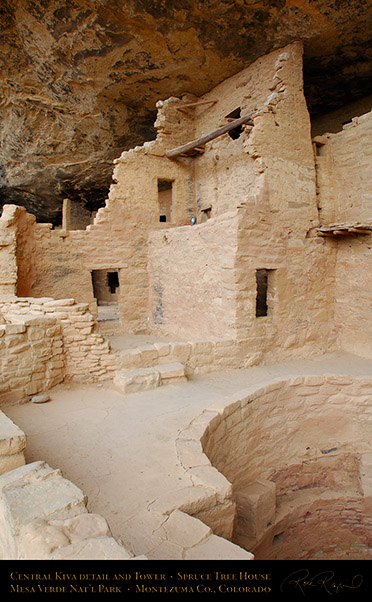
(131, 381)
(98, 548)
(185, 530)
(85, 526)
(256, 506)
(38, 540)
(174, 371)
(36, 490)
(217, 548)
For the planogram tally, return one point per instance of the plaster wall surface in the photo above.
(193, 289)
(345, 196)
(272, 162)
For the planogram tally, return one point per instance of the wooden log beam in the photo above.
(175, 152)
(197, 104)
(360, 230)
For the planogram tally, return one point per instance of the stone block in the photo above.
(131, 358)
(255, 508)
(22, 348)
(208, 476)
(163, 349)
(202, 348)
(190, 453)
(149, 353)
(132, 381)
(84, 526)
(12, 439)
(10, 462)
(98, 548)
(58, 302)
(15, 328)
(38, 540)
(253, 359)
(217, 548)
(220, 518)
(171, 371)
(180, 351)
(37, 491)
(191, 500)
(41, 398)
(184, 530)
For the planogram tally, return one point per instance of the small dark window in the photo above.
(165, 193)
(112, 281)
(261, 296)
(235, 132)
(278, 538)
(206, 214)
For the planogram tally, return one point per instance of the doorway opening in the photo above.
(106, 286)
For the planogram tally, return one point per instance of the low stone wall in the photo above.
(198, 356)
(296, 450)
(44, 517)
(84, 353)
(31, 358)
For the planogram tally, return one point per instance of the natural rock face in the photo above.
(80, 79)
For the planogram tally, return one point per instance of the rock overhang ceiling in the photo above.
(80, 79)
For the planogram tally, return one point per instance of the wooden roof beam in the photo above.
(175, 152)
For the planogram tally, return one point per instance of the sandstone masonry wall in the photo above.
(79, 353)
(262, 194)
(193, 290)
(319, 460)
(32, 358)
(347, 155)
(345, 196)
(8, 250)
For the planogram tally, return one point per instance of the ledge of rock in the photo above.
(81, 79)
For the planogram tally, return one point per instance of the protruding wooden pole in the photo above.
(175, 152)
(66, 215)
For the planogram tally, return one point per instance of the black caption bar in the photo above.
(259, 580)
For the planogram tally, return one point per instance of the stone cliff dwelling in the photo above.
(241, 343)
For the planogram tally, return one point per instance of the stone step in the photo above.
(151, 355)
(143, 379)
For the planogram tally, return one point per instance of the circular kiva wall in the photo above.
(299, 456)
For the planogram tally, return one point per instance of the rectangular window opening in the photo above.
(263, 284)
(235, 132)
(165, 198)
